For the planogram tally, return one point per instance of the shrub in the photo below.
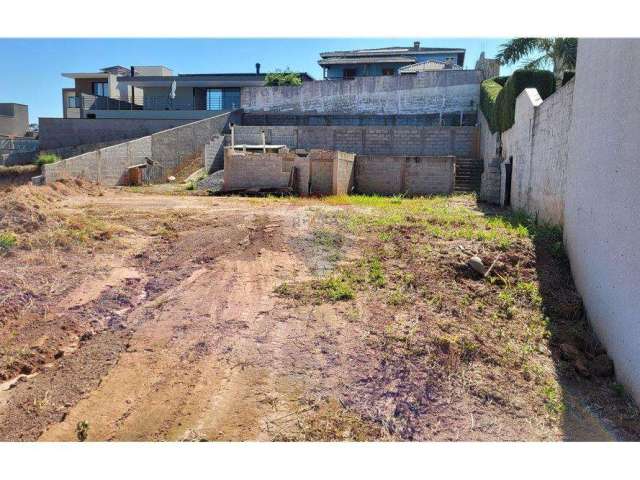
(47, 158)
(278, 79)
(489, 90)
(541, 80)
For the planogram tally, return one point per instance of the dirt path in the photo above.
(171, 330)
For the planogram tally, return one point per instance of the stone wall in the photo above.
(601, 214)
(537, 146)
(387, 175)
(166, 150)
(423, 93)
(398, 141)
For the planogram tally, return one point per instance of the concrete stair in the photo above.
(468, 175)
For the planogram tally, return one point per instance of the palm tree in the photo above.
(536, 53)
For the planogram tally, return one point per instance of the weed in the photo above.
(398, 297)
(7, 240)
(47, 158)
(552, 399)
(82, 430)
(335, 289)
(376, 274)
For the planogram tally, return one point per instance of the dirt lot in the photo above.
(145, 315)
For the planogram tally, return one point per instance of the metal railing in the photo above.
(94, 102)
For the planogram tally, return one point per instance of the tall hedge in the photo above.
(541, 80)
(489, 90)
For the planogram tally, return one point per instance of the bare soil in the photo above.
(172, 317)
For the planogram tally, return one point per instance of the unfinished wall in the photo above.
(245, 170)
(166, 149)
(538, 145)
(343, 173)
(69, 132)
(425, 92)
(388, 175)
(401, 141)
(602, 218)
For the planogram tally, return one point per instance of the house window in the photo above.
(348, 73)
(72, 102)
(450, 59)
(388, 72)
(223, 98)
(100, 89)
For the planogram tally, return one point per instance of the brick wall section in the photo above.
(166, 149)
(322, 166)
(396, 141)
(388, 175)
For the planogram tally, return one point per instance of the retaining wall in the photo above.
(423, 93)
(57, 133)
(388, 175)
(399, 141)
(166, 150)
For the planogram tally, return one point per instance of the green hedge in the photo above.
(541, 80)
(489, 90)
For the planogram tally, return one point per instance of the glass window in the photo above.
(223, 98)
(72, 102)
(100, 89)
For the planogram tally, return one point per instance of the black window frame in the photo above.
(105, 89)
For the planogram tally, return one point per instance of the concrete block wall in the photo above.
(423, 93)
(491, 172)
(398, 141)
(256, 169)
(165, 149)
(388, 175)
(343, 173)
(56, 133)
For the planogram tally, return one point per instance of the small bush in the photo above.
(541, 80)
(47, 158)
(489, 90)
(7, 240)
(278, 79)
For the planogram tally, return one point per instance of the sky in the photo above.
(32, 68)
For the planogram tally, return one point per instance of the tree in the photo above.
(540, 53)
(279, 78)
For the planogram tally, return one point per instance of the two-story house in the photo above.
(155, 92)
(345, 65)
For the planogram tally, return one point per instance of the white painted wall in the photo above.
(538, 143)
(602, 208)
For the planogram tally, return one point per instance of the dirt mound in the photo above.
(27, 208)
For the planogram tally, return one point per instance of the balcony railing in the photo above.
(93, 102)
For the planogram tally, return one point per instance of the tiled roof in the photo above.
(352, 60)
